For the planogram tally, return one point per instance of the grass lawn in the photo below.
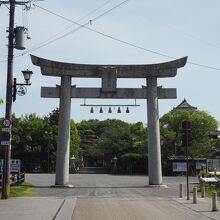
(25, 189)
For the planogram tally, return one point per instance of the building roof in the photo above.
(185, 105)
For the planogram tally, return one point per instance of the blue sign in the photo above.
(5, 136)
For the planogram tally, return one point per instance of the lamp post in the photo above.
(72, 164)
(115, 164)
(19, 88)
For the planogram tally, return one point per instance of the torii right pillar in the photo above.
(154, 149)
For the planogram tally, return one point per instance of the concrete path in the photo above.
(37, 208)
(49, 208)
(108, 197)
(139, 209)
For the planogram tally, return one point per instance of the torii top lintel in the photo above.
(54, 68)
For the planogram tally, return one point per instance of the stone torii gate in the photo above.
(109, 75)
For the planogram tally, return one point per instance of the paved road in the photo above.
(108, 197)
(94, 185)
(135, 209)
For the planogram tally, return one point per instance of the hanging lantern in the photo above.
(127, 110)
(109, 110)
(101, 111)
(119, 110)
(91, 110)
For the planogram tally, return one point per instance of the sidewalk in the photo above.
(203, 206)
(37, 208)
(93, 208)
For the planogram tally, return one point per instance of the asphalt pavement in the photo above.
(96, 197)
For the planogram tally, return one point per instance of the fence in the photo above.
(15, 178)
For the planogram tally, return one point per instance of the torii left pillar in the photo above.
(63, 142)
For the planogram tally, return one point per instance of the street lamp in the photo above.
(72, 163)
(19, 88)
(27, 75)
(115, 163)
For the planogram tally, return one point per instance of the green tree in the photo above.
(102, 140)
(88, 144)
(172, 133)
(35, 140)
(28, 143)
(115, 138)
(75, 143)
(52, 120)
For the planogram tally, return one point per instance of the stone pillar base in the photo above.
(156, 186)
(62, 186)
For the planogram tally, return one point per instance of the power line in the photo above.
(107, 36)
(121, 41)
(94, 10)
(82, 18)
(68, 33)
(51, 40)
(177, 30)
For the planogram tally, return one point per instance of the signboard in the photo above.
(179, 166)
(5, 143)
(15, 165)
(5, 136)
(213, 165)
(5, 129)
(6, 122)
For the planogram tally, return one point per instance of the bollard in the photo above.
(202, 187)
(194, 195)
(181, 190)
(214, 201)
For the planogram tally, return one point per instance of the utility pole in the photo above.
(8, 109)
(7, 122)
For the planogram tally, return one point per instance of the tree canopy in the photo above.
(172, 132)
(97, 143)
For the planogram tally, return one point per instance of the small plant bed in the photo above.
(25, 189)
(209, 189)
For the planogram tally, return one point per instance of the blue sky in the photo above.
(173, 28)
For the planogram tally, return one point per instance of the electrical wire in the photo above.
(177, 30)
(106, 35)
(95, 10)
(68, 33)
(49, 41)
(119, 40)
